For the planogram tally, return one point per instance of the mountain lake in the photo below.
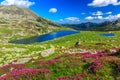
(46, 37)
(108, 35)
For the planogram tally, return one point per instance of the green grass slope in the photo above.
(68, 62)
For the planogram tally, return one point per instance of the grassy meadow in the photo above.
(68, 62)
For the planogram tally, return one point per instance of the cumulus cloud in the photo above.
(108, 13)
(20, 3)
(90, 18)
(112, 17)
(98, 13)
(100, 17)
(70, 20)
(102, 3)
(52, 10)
(109, 17)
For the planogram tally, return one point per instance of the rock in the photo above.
(92, 51)
(77, 44)
(47, 52)
(22, 60)
(74, 51)
(114, 50)
(62, 47)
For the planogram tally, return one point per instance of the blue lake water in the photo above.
(108, 35)
(45, 37)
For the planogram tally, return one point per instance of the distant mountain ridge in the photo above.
(103, 26)
(17, 22)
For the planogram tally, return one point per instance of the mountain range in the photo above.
(103, 26)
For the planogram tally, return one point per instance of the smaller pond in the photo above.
(45, 37)
(108, 35)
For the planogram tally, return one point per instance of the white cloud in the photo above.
(90, 18)
(100, 17)
(112, 17)
(72, 19)
(102, 3)
(109, 17)
(118, 3)
(118, 15)
(98, 13)
(108, 13)
(53, 10)
(20, 3)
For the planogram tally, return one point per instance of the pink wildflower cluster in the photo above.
(10, 67)
(76, 77)
(25, 73)
(88, 56)
(48, 63)
(52, 62)
(97, 64)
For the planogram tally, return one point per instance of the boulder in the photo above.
(77, 44)
(114, 50)
(22, 60)
(47, 52)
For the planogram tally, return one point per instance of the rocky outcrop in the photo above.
(47, 52)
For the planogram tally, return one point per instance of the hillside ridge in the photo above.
(17, 22)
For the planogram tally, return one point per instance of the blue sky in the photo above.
(71, 11)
